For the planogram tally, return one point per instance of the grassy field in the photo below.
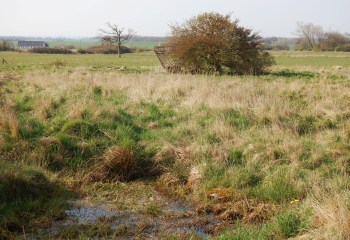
(86, 43)
(312, 59)
(28, 61)
(284, 60)
(173, 156)
(89, 42)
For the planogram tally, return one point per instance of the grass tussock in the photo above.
(117, 164)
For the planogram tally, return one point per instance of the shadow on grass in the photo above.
(28, 198)
(293, 74)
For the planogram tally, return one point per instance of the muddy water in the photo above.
(173, 219)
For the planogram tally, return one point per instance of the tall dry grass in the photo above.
(254, 94)
(274, 106)
(331, 214)
(270, 138)
(8, 121)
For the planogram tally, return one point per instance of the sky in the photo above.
(84, 18)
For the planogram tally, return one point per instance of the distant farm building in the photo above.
(31, 44)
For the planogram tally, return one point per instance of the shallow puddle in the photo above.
(173, 219)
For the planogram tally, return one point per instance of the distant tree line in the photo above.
(313, 37)
(105, 48)
(100, 49)
(6, 46)
(148, 39)
(50, 50)
(278, 43)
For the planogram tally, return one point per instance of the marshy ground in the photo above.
(100, 147)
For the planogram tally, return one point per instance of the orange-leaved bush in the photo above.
(212, 43)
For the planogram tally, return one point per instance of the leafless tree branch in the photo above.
(116, 35)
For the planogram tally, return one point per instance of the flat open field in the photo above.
(86, 43)
(284, 60)
(93, 146)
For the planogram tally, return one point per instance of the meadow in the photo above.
(173, 156)
(89, 42)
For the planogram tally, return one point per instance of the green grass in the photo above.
(142, 61)
(281, 139)
(26, 61)
(27, 197)
(312, 59)
(85, 43)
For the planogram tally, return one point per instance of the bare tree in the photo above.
(310, 35)
(116, 35)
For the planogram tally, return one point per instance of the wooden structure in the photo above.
(168, 62)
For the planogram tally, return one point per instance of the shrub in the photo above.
(213, 43)
(343, 48)
(51, 51)
(84, 51)
(6, 46)
(106, 49)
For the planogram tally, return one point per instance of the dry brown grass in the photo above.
(117, 164)
(2, 142)
(276, 108)
(8, 121)
(270, 103)
(263, 99)
(168, 180)
(7, 77)
(246, 210)
(331, 211)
